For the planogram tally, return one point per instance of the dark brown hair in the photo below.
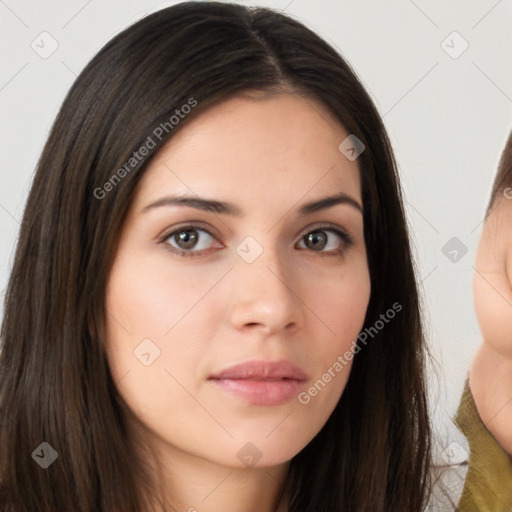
(374, 452)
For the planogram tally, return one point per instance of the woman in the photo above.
(485, 411)
(144, 370)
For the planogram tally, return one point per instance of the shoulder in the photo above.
(488, 483)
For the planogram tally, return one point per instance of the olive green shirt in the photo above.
(488, 484)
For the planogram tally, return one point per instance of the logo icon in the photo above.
(249, 454)
(146, 352)
(44, 45)
(45, 455)
(249, 249)
(351, 147)
(454, 249)
(454, 45)
(454, 454)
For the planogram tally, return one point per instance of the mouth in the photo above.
(262, 382)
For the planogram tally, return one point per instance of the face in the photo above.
(492, 281)
(198, 288)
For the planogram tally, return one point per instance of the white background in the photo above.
(448, 119)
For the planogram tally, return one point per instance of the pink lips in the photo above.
(262, 382)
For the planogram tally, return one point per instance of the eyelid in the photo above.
(325, 226)
(183, 227)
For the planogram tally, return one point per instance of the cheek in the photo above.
(149, 298)
(158, 309)
(144, 308)
(493, 298)
(341, 306)
(150, 362)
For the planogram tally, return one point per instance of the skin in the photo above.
(209, 312)
(490, 377)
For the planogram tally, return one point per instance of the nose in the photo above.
(264, 295)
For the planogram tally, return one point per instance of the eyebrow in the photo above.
(226, 208)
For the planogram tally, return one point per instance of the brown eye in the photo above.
(188, 240)
(318, 239)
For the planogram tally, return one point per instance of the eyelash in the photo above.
(348, 241)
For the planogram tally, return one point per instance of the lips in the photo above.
(268, 370)
(262, 382)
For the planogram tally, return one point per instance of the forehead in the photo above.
(276, 147)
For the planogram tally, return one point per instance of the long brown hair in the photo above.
(374, 452)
